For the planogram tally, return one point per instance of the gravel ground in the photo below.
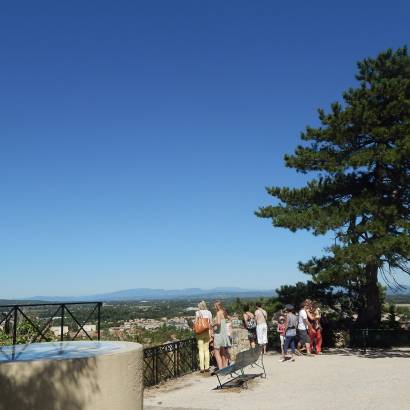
(342, 379)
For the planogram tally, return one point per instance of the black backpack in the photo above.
(251, 323)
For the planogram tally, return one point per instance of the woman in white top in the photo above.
(261, 326)
(203, 338)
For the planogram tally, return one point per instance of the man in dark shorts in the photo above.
(303, 324)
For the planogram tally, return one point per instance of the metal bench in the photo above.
(236, 371)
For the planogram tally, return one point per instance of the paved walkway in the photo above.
(338, 380)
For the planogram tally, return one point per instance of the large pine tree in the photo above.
(360, 191)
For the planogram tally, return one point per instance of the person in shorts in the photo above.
(261, 326)
(303, 327)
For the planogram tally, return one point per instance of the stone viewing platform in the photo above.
(79, 375)
(340, 379)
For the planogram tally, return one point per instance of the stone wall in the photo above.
(240, 341)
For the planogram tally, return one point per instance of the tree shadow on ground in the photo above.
(47, 385)
(372, 353)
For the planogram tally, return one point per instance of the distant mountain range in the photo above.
(161, 294)
(402, 291)
(152, 294)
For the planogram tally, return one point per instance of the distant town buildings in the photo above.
(56, 330)
(90, 328)
(132, 326)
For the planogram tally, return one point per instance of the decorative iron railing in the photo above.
(170, 360)
(32, 323)
(381, 338)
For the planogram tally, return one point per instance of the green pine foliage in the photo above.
(360, 191)
(26, 333)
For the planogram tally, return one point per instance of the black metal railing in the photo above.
(170, 360)
(30, 323)
(379, 338)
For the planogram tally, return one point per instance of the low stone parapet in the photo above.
(240, 341)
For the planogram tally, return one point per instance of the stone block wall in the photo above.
(240, 341)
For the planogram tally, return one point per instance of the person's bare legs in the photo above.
(227, 355)
(224, 357)
(218, 358)
(282, 342)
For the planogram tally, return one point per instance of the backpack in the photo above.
(251, 323)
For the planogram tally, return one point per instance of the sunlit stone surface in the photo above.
(71, 375)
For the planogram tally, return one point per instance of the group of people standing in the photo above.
(214, 332)
(302, 330)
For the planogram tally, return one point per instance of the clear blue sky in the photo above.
(137, 137)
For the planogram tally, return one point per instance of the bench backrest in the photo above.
(243, 359)
(247, 357)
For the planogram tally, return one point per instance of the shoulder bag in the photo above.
(201, 324)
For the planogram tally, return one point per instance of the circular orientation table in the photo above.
(72, 376)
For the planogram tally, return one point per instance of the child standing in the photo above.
(281, 330)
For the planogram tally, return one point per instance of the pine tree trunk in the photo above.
(370, 313)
